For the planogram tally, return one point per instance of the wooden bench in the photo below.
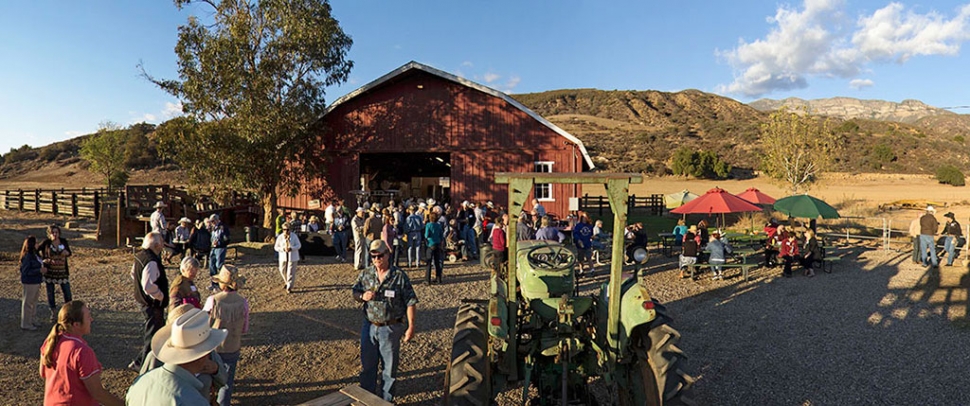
(830, 262)
(351, 395)
(743, 267)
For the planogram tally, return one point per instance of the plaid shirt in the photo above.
(391, 298)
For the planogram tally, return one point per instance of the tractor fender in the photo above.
(636, 309)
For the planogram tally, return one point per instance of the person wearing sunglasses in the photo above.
(389, 306)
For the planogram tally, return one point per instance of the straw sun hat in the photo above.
(187, 339)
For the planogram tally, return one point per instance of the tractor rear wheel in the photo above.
(467, 380)
(656, 377)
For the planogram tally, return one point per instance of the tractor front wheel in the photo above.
(467, 380)
(656, 377)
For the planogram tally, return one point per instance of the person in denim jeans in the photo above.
(414, 228)
(928, 226)
(339, 229)
(953, 234)
(389, 310)
(220, 241)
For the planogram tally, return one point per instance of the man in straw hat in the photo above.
(230, 311)
(158, 223)
(184, 347)
(388, 297)
(213, 373)
(288, 246)
(928, 227)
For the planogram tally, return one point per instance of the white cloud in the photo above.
(511, 83)
(172, 110)
(859, 84)
(468, 64)
(821, 41)
(144, 118)
(491, 77)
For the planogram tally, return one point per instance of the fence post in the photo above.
(37, 201)
(54, 202)
(97, 205)
(20, 201)
(74, 205)
(118, 216)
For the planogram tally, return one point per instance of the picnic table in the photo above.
(666, 244)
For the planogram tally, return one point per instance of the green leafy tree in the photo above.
(950, 175)
(705, 164)
(797, 148)
(105, 152)
(252, 83)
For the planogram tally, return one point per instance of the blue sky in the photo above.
(67, 66)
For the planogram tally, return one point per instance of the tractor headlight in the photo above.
(640, 255)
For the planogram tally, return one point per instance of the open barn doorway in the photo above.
(406, 175)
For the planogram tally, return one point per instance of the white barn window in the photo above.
(543, 191)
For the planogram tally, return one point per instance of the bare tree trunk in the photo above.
(269, 208)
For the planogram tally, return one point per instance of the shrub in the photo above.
(959, 139)
(23, 153)
(950, 175)
(704, 164)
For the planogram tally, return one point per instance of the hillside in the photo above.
(908, 111)
(639, 130)
(626, 131)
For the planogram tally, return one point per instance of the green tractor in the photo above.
(535, 330)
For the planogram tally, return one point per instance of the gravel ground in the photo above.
(878, 330)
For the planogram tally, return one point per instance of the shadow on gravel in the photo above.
(842, 338)
(290, 327)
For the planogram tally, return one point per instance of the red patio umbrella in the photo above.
(755, 196)
(716, 201)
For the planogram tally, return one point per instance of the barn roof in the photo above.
(465, 82)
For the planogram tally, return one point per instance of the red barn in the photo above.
(421, 132)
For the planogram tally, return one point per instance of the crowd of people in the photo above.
(190, 350)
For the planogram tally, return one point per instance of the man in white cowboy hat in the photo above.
(288, 246)
(928, 227)
(157, 222)
(388, 297)
(184, 347)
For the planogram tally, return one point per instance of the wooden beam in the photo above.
(567, 177)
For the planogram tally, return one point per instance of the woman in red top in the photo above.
(71, 371)
(498, 239)
(788, 252)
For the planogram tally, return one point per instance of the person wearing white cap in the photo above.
(928, 227)
(181, 237)
(157, 221)
(360, 247)
(184, 347)
(288, 245)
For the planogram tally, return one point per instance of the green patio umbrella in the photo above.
(805, 206)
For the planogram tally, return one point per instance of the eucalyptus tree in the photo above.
(251, 79)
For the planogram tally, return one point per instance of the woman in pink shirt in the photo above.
(71, 371)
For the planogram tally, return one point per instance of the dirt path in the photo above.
(844, 338)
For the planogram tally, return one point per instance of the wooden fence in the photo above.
(654, 204)
(82, 202)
